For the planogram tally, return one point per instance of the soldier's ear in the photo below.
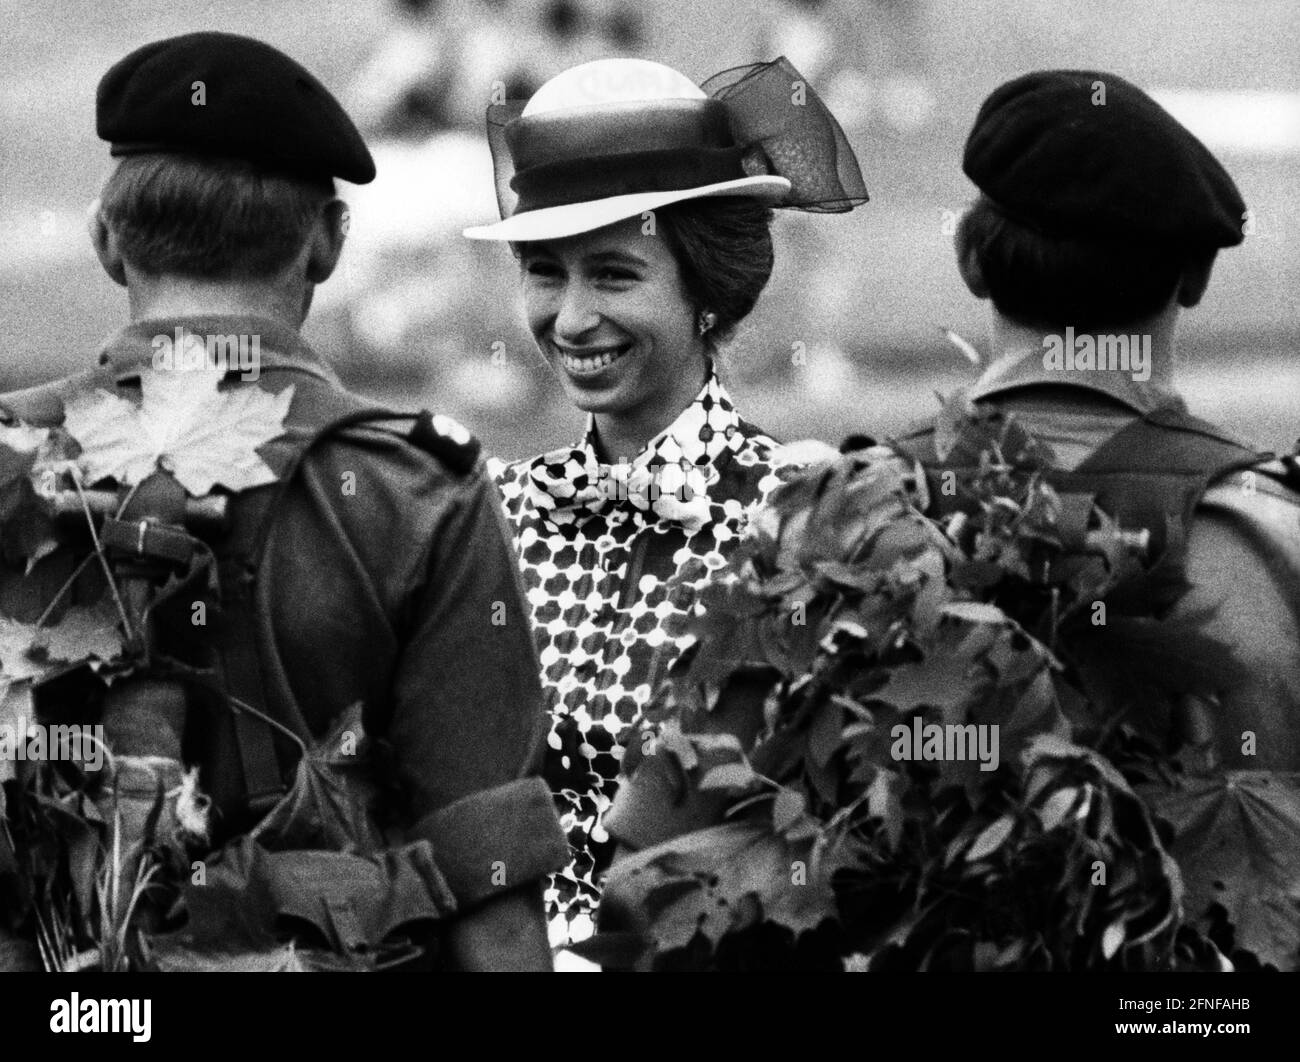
(968, 265)
(1195, 279)
(325, 243)
(103, 239)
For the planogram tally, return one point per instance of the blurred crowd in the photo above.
(418, 314)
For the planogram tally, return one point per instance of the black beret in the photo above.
(1081, 153)
(254, 103)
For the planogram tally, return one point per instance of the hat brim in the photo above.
(553, 223)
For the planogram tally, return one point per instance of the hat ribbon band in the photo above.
(579, 180)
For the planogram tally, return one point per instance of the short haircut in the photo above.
(723, 248)
(1093, 284)
(211, 218)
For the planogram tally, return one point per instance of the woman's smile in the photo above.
(589, 363)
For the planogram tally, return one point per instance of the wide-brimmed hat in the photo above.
(611, 139)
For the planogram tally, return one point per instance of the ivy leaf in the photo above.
(185, 424)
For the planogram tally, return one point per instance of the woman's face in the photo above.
(608, 311)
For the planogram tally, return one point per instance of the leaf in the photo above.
(1237, 843)
(991, 838)
(883, 801)
(1113, 939)
(185, 424)
(15, 640)
(332, 804)
(974, 612)
(1056, 807)
(673, 740)
(944, 679)
(82, 634)
(826, 733)
(728, 776)
(18, 446)
(787, 809)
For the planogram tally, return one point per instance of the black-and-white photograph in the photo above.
(737, 486)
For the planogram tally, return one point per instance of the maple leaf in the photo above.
(81, 634)
(19, 444)
(184, 423)
(1238, 844)
(15, 639)
(28, 651)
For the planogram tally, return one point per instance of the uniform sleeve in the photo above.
(468, 722)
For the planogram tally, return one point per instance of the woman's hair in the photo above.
(723, 249)
(213, 218)
(1039, 280)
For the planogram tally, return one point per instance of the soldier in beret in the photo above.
(376, 571)
(1098, 223)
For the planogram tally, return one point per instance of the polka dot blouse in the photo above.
(613, 558)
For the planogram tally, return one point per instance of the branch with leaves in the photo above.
(847, 619)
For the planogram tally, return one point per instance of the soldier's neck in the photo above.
(151, 298)
(1011, 339)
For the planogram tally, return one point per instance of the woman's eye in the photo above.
(545, 270)
(615, 275)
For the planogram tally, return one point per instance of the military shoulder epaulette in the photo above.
(446, 439)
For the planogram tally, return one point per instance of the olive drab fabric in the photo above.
(1149, 475)
(1224, 556)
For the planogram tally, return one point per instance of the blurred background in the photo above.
(848, 336)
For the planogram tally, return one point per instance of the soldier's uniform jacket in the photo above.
(1241, 541)
(385, 579)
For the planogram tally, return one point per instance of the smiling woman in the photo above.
(639, 208)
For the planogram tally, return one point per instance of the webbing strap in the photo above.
(1150, 475)
(320, 411)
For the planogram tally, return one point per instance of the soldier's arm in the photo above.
(467, 729)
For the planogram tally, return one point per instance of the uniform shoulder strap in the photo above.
(1153, 472)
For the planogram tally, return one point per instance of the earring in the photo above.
(706, 321)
